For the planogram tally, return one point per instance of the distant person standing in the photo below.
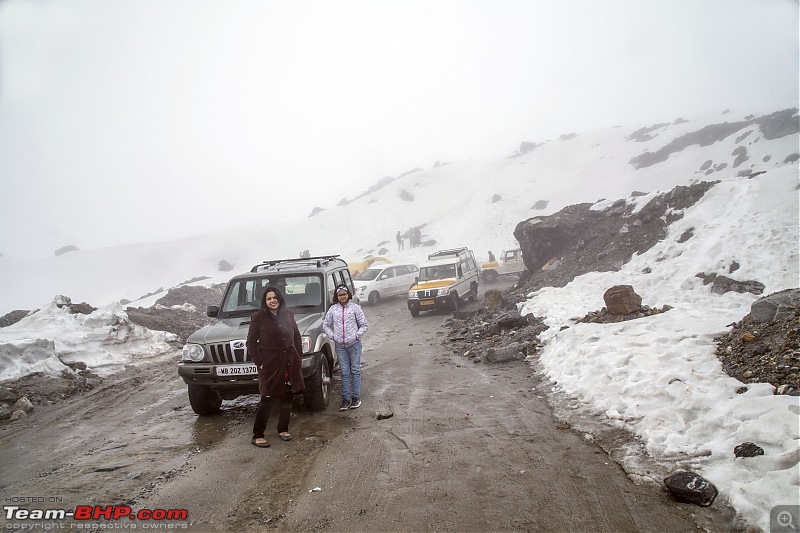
(345, 323)
(399, 241)
(491, 256)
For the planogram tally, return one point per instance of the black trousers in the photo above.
(264, 408)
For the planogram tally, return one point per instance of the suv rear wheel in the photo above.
(374, 297)
(317, 393)
(204, 400)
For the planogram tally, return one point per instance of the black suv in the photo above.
(215, 364)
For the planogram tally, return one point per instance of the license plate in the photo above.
(237, 370)
(426, 302)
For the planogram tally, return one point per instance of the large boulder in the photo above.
(776, 306)
(494, 299)
(622, 300)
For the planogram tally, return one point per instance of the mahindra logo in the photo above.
(238, 345)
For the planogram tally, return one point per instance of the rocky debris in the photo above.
(772, 126)
(643, 134)
(495, 335)
(622, 304)
(384, 415)
(748, 449)
(689, 487)
(23, 404)
(723, 284)
(768, 351)
(604, 317)
(62, 302)
(495, 299)
(622, 300)
(42, 389)
(181, 322)
(13, 317)
(199, 297)
(511, 352)
(585, 240)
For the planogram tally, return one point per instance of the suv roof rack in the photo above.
(319, 259)
(446, 253)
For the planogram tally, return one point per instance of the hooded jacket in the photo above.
(345, 324)
(275, 346)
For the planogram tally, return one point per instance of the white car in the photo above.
(380, 281)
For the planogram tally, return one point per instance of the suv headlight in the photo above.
(306, 344)
(361, 289)
(412, 294)
(193, 352)
(444, 292)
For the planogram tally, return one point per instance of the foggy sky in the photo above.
(126, 121)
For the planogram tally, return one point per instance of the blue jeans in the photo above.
(350, 364)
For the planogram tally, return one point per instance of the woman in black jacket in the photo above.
(275, 346)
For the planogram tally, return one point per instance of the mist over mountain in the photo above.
(474, 203)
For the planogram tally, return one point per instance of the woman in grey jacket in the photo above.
(345, 324)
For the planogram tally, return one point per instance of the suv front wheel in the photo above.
(204, 400)
(454, 301)
(317, 393)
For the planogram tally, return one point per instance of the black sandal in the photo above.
(264, 444)
(285, 436)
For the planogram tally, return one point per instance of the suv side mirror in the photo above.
(212, 310)
(384, 276)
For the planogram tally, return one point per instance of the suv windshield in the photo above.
(303, 294)
(437, 272)
(368, 275)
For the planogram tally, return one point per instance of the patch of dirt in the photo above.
(178, 321)
(45, 389)
(772, 126)
(200, 297)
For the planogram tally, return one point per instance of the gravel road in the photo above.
(469, 447)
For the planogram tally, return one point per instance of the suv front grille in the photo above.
(428, 293)
(229, 352)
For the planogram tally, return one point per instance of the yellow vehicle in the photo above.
(447, 277)
(510, 263)
(359, 266)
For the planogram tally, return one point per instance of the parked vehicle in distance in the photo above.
(381, 281)
(215, 364)
(357, 267)
(510, 263)
(447, 277)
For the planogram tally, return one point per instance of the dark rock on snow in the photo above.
(689, 487)
(748, 449)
